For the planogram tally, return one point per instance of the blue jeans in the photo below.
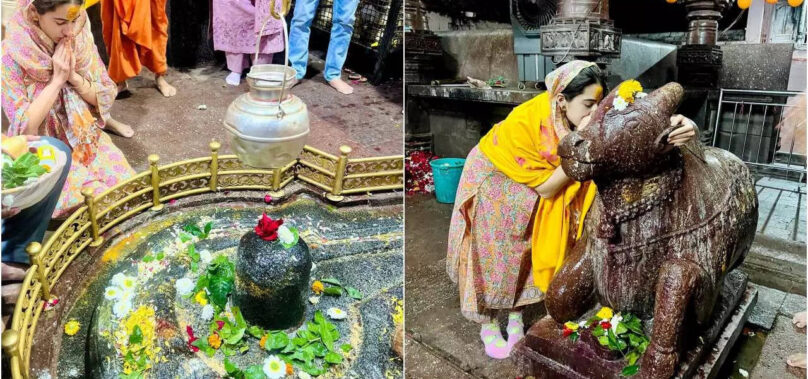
(344, 13)
(30, 224)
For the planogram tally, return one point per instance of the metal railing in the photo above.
(749, 124)
(338, 176)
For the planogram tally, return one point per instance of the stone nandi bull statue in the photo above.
(667, 226)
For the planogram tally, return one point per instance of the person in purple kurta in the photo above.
(236, 24)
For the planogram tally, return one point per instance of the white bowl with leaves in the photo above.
(26, 182)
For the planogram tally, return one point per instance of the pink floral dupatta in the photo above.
(32, 49)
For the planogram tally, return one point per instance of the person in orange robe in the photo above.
(136, 33)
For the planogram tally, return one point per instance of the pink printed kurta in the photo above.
(236, 24)
(97, 163)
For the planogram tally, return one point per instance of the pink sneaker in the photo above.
(495, 345)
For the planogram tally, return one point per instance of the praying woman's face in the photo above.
(581, 107)
(60, 23)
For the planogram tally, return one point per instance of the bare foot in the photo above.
(119, 128)
(341, 86)
(799, 320)
(162, 85)
(123, 86)
(796, 360)
(12, 291)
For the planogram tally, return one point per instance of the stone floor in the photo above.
(442, 343)
(369, 120)
(782, 208)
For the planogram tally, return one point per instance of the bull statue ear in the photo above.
(666, 98)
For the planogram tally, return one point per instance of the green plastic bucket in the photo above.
(446, 173)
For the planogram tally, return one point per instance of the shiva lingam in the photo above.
(273, 266)
(660, 241)
(268, 125)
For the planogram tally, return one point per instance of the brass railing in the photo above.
(337, 176)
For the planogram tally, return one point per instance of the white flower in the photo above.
(274, 367)
(314, 300)
(619, 103)
(614, 321)
(285, 235)
(8, 200)
(118, 279)
(640, 95)
(184, 286)
(204, 255)
(121, 308)
(127, 296)
(583, 324)
(207, 312)
(303, 375)
(112, 293)
(336, 313)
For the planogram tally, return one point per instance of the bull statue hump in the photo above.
(667, 226)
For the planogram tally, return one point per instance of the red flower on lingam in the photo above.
(605, 325)
(566, 332)
(191, 338)
(267, 228)
(219, 324)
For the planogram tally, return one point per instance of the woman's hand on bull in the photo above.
(684, 132)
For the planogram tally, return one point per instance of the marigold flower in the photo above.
(317, 287)
(263, 341)
(214, 340)
(289, 369)
(72, 327)
(201, 298)
(605, 313)
(627, 90)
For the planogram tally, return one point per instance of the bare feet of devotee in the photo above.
(123, 90)
(233, 78)
(341, 86)
(799, 320)
(162, 85)
(119, 128)
(796, 360)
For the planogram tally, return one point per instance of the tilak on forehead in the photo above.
(73, 12)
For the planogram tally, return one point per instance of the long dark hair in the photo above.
(45, 6)
(587, 76)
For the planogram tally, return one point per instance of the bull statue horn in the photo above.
(667, 97)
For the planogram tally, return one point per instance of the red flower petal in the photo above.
(220, 324)
(267, 199)
(566, 332)
(605, 325)
(267, 228)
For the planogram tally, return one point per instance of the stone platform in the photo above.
(358, 242)
(545, 353)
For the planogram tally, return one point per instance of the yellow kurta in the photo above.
(524, 147)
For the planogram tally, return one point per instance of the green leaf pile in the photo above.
(24, 167)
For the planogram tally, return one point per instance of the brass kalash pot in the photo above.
(268, 125)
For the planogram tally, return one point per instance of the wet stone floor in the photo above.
(361, 246)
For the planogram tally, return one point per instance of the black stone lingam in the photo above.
(271, 281)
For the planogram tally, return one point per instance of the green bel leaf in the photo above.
(254, 372)
(277, 340)
(148, 258)
(161, 255)
(346, 347)
(630, 370)
(230, 367)
(208, 227)
(354, 293)
(333, 357)
(136, 336)
(256, 331)
(318, 318)
(603, 340)
(333, 291)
